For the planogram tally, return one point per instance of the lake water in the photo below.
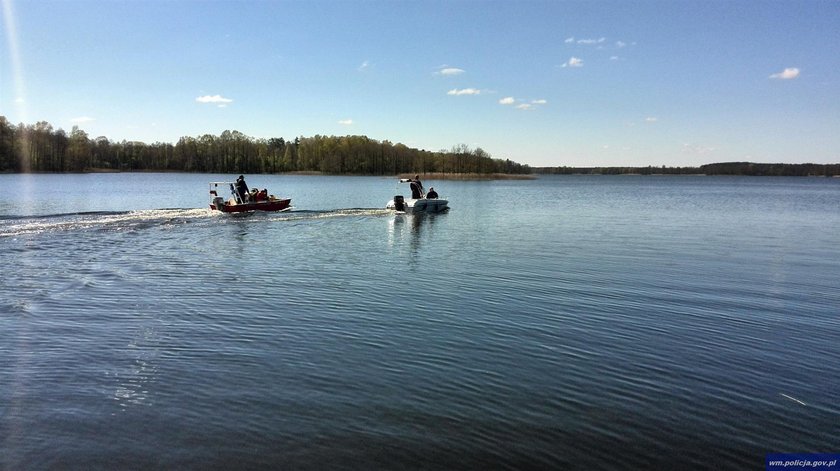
(574, 322)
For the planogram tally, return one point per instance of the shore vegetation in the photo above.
(42, 148)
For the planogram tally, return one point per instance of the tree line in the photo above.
(42, 148)
(723, 168)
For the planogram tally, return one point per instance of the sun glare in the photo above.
(16, 65)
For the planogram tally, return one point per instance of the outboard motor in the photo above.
(399, 203)
(218, 202)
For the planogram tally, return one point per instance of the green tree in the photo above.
(8, 157)
(78, 150)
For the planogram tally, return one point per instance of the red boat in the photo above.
(237, 203)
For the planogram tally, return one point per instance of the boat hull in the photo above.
(421, 205)
(268, 206)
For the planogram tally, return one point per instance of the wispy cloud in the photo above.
(600, 42)
(651, 119)
(591, 41)
(218, 99)
(450, 71)
(364, 66)
(573, 62)
(346, 122)
(507, 101)
(585, 42)
(787, 74)
(464, 91)
(82, 120)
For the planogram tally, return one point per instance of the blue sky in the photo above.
(597, 83)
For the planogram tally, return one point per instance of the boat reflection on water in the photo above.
(415, 228)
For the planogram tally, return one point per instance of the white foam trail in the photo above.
(334, 214)
(123, 220)
(87, 221)
(792, 399)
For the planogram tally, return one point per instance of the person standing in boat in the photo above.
(416, 188)
(242, 188)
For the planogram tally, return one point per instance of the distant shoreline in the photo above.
(425, 176)
(717, 169)
(472, 176)
(714, 169)
(443, 176)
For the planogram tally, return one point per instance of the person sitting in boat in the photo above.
(432, 194)
(262, 195)
(242, 187)
(416, 188)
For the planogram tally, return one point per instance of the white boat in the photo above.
(417, 205)
(421, 205)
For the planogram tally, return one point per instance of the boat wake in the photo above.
(13, 226)
(333, 213)
(117, 221)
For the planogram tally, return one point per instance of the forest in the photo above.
(42, 148)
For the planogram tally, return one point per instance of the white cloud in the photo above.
(19, 99)
(620, 44)
(523, 106)
(82, 119)
(365, 65)
(651, 119)
(213, 99)
(569, 40)
(573, 62)
(464, 91)
(451, 71)
(346, 122)
(591, 41)
(614, 58)
(787, 74)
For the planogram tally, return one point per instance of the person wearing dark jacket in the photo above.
(242, 188)
(416, 188)
(432, 194)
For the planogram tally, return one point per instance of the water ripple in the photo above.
(597, 324)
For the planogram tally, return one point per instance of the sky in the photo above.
(543, 83)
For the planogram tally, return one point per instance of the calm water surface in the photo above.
(559, 323)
